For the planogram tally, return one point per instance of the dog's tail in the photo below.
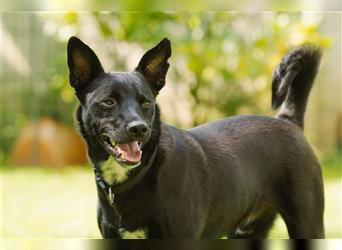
(292, 81)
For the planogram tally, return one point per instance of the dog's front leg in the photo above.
(108, 222)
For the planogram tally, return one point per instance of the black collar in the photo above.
(132, 180)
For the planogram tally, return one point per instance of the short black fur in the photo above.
(229, 177)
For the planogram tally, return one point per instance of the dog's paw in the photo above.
(109, 231)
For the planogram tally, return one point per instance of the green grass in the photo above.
(49, 203)
(61, 203)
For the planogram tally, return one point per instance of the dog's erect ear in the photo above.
(153, 65)
(84, 66)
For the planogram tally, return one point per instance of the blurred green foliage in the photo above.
(44, 91)
(224, 59)
(332, 163)
(228, 56)
(177, 5)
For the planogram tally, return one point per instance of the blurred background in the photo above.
(221, 66)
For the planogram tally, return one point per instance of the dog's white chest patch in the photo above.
(137, 234)
(113, 172)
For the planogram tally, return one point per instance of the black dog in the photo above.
(229, 177)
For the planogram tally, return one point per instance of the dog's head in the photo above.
(118, 108)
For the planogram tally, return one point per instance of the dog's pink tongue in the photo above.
(130, 151)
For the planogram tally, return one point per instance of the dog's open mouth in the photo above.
(124, 153)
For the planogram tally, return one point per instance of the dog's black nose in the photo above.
(137, 129)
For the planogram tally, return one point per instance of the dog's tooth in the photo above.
(123, 155)
(117, 152)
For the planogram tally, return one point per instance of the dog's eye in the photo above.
(146, 104)
(108, 102)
